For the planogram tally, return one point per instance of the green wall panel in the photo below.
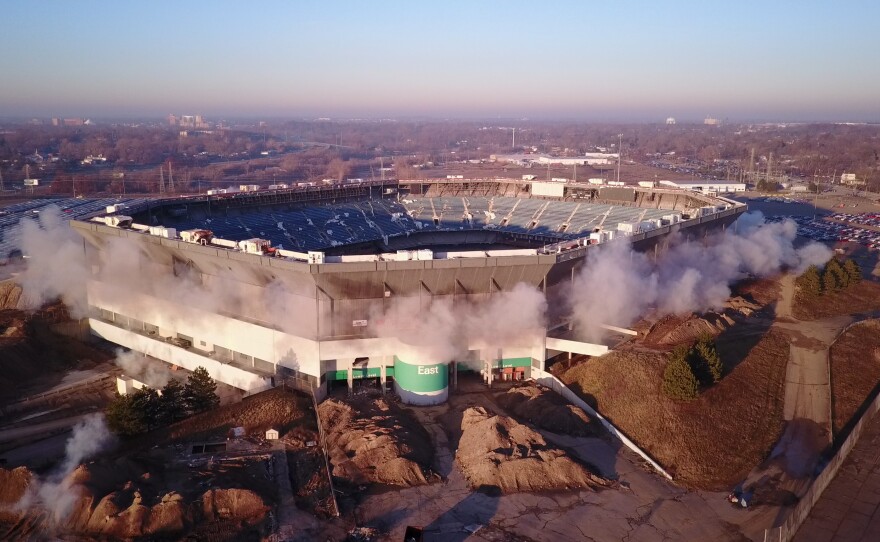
(421, 378)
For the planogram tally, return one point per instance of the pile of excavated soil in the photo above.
(675, 329)
(288, 411)
(10, 295)
(545, 409)
(371, 440)
(123, 513)
(497, 451)
(686, 328)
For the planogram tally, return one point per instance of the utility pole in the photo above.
(752, 167)
(170, 178)
(162, 179)
(619, 154)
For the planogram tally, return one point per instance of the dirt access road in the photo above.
(807, 407)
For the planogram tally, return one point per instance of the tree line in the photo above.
(834, 277)
(147, 408)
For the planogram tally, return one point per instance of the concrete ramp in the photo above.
(576, 347)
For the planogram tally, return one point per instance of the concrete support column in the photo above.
(382, 378)
(350, 376)
(488, 373)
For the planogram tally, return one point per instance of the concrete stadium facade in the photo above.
(327, 334)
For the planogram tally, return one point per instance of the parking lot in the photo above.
(863, 228)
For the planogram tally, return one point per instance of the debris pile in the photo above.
(375, 441)
(497, 451)
(545, 409)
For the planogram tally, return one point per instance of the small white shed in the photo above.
(272, 434)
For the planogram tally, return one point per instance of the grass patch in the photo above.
(858, 298)
(855, 370)
(709, 443)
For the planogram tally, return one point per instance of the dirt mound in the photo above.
(288, 411)
(685, 328)
(10, 295)
(545, 409)
(13, 484)
(121, 514)
(497, 451)
(374, 441)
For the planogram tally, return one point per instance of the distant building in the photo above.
(192, 121)
(56, 121)
(172, 120)
(851, 179)
(670, 120)
(588, 159)
(706, 186)
(709, 121)
(73, 122)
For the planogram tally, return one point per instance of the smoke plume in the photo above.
(618, 284)
(58, 492)
(56, 262)
(154, 374)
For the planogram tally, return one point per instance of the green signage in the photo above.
(356, 373)
(421, 378)
(516, 362)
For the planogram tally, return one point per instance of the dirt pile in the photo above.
(545, 409)
(685, 328)
(497, 451)
(10, 295)
(372, 440)
(120, 514)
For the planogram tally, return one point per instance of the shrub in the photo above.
(709, 360)
(679, 381)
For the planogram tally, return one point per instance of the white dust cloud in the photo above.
(618, 284)
(56, 266)
(58, 492)
(155, 375)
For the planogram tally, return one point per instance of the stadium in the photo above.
(295, 284)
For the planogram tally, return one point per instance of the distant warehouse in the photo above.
(706, 186)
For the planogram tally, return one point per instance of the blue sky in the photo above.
(609, 60)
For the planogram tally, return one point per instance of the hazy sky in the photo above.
(602, 60)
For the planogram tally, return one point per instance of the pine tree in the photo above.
(145, 401)
(853, 271)
(709, 359)
(840, 276)
(200, 392)
(810, 282)
(829, 281)
(172, 403)
(123, 418)
(679, 381)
